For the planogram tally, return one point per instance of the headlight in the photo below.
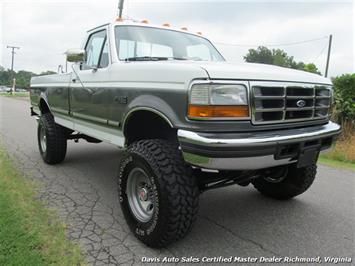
(218, 101)
(228, 95)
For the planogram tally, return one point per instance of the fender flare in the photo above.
(43, 97)
(152, 104)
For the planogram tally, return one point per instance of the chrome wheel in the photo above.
(140, 195)
(43, 139)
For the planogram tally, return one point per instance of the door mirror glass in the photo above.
(76, 55)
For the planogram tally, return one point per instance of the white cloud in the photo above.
(45, 29)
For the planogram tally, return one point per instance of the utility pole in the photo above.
(120, 8)
(328, 57)
(12, 66)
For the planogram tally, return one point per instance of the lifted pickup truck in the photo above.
(187, 121)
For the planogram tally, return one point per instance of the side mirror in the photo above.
(76, 55)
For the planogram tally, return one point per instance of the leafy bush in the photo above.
(344, 95)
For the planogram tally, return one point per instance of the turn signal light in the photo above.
(145, 21)
(216, 111)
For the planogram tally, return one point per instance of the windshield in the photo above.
(135, 43)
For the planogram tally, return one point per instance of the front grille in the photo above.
(280, 102)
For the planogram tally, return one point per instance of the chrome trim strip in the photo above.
(103, 133)
(60, 110)
(245, 163)
(89, 117)
(260, 138)
(113, 123)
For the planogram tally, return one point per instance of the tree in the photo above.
(277, 57)
(5, 76)
(261, 55)
(23, 77)
(48, 72)
(344, 94)
(311, 68)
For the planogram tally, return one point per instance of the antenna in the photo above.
(328, 56)
(120, 8)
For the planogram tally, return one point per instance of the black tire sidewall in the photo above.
(296, 182)
(56, 140)
(42, 124)
(146, 230)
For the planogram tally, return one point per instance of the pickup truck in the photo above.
(187, 121)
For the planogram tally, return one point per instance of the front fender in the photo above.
(153, 104)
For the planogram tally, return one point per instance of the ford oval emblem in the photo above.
(301, 103)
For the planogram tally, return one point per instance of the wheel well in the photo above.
(43, 107)
(147, 125)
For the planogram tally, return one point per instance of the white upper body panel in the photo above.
(253, 71)
(182, 72)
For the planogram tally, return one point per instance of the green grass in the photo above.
(323, 159)
(16, 94)
(30, 234)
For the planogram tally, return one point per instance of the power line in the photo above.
(279, 44)
(321, 52)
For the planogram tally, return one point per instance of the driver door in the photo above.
(88, 95)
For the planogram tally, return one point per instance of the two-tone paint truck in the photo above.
(186, 119)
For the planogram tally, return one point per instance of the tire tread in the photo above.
(176, 181)
(56, 140)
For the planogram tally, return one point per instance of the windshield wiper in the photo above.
(146, 58)
(153, 58)
(178, 58)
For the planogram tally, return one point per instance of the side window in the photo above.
(93, 49)
(104, 55)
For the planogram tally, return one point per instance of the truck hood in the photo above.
(252, 71)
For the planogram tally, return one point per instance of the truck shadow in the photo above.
(231, 221)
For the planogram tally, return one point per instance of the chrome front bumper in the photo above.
(255, 150)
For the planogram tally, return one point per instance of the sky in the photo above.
(44, 30)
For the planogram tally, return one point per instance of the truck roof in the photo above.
(130, 22)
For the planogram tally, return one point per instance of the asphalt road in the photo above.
(233, 221)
